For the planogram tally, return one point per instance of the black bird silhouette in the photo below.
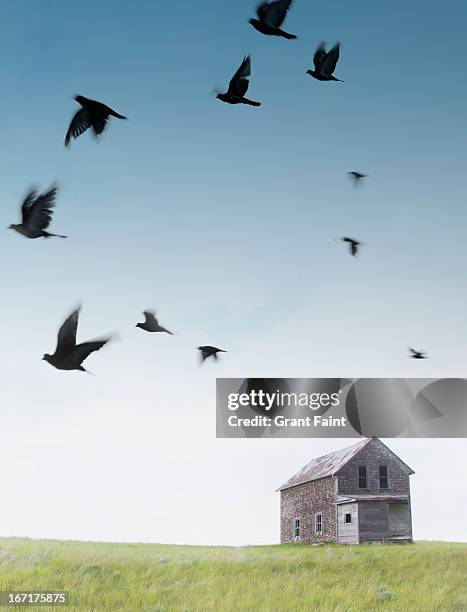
(92, 114)
(36, 212)
(417, 354)
(151, 324)
(209, 351)
(69, 355)
(270, 17)
(353, 244)
(325, 63)
(238, 86)
(357, 177)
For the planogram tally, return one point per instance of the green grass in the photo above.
(156, 578)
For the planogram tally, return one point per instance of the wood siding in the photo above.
(372, 456)
(347, 533)
(399, 521)
(373, 520)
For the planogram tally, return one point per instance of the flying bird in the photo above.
(92, 114)
(270, 17)
(69, 355)
(151, 324)
(36, 212)
(417, 354)
(325, 63)
(357, 177)
(353, 244)
(238, 86)
(209, 351)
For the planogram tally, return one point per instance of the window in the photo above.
(348, 518)
(319, 523)
(383, 476)
(362, 477)
(296, 528)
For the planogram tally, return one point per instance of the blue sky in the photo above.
(223, 219)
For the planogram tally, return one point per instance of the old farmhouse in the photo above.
(358, 494)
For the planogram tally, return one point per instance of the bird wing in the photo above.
(329, 61)
(320, 53)
(273, 14)
(79, 124)
(99, 122)
(37, 212)
(67, 333)
(238, 85)
(27, 204)
(353, 248)
(150, 317)
(262, 11)
(83, 350)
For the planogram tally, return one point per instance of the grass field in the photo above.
(156, 578)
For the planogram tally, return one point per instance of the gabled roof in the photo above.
(327, 465)
(330, 464)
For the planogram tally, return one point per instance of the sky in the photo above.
(223, 219)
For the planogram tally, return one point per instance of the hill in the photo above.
(157, 578)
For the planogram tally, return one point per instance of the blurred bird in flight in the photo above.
(151, 324)
(353, 244)
(325, 63)
(69, 355)
(209, 351)
(238, 86)
(417, 354)
(36, 213)
(270, 17)
(357, 177)
(92, 114)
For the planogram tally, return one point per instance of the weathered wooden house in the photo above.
(358, 494)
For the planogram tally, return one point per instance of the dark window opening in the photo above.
(319, 523)
(383, 476)
(362, 477)
(296, 528)
(348, 518)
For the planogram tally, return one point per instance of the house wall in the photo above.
(373, 521)
(373, 455)
(303, 502)
(399, 521)
(347, 533)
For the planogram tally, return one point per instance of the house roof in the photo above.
(327, 465)
(330, 464)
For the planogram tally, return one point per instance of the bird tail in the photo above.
(48, 235)
(251, 102)
(87, 371)
(162, 329)
(114, 114)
